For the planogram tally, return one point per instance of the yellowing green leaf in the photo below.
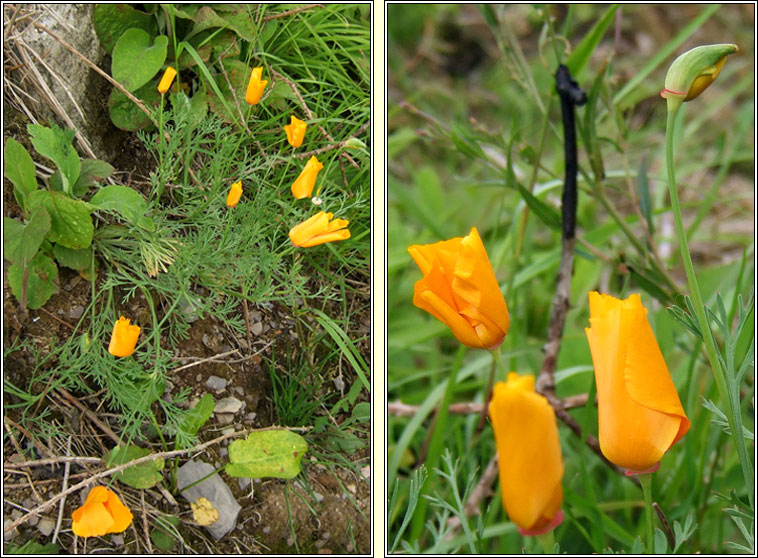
(268, 453)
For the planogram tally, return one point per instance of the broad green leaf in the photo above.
(56, 144)
(112, 20)
(19, 169)
(583, 51)
(199, 414)
(71, 258)
(71, 223)
(163, 534)
(239, 20)
(124, 200)
(137, 59)
(40, 283)
(128, 116)
(92, 169)
(268, 453)
(142, 475)
(21, 242)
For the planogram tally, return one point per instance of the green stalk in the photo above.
(646, 481)
(547, 541)
(732, 407)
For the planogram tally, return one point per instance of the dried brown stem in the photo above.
(90, 415)
(291, 12)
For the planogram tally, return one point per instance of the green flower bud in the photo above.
(692, 72)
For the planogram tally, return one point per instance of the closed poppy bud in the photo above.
(319, 229)
(529, 455)
(101, 514)
(639, 412)
(255, 86)
(123, 338)
(459, 288)
(234, 195)
(166, 80)
(303, 185)
(295, 131)
(692, 72)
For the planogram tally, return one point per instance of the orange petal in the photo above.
(529, 453)
(637, 424)
(122, 517)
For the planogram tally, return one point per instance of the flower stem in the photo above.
(732, 408)
(646, 481)
(547, 541)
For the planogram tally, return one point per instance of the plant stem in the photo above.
(547, 541)
(732, 408)
(646, 481)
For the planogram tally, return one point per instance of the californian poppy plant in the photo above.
(529, 455)
(234, 195)
(255, 86)
(303, 185)
(639, 412)
(459, 288)
(101, 514)
(319, 229)
(124, 338)
(295, 131)
(166, 80)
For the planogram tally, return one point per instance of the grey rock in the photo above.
(216, 384)
(224, 418)
(215, 490)
(250, 417)
(228, 405)
(257, 328)
(117, 540)
(73, 84)
(9, 535)
(244, 483)
(46, 526)
(76, 312)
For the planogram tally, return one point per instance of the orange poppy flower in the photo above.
(124, 338)
(639, 412)
(166, 80)
(303, 185)
(255, 86)
(319, 229)
(234, 195)
(529, 455)
(295, 131)
(101, 514)
(459, 288)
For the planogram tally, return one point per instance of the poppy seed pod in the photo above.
(303, 185)
(234, 195)
(319, 229)
(101, 514)
(459, 288)
(529, 455)
(639, 412)
(255, 86)
(295, 131)
(692, 72)
(124, 338)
